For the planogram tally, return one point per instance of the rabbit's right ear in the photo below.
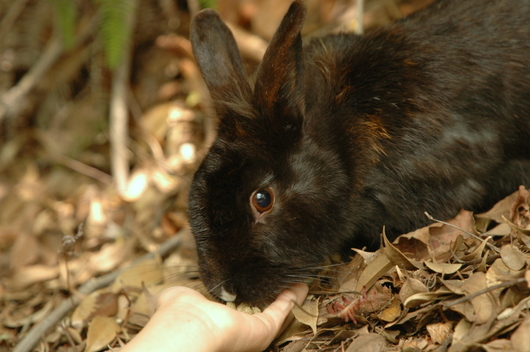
(217, 55)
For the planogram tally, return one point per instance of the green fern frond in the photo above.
(65, 12)
(115, 29)
(210, 4)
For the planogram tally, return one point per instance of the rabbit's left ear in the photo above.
(217, 55)
(279, 89)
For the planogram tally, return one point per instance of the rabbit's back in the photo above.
(434, 109)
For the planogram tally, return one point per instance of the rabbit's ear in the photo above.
(279, 86)
(216, 52)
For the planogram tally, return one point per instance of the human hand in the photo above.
(186, 321)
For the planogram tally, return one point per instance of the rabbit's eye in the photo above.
(263, 199)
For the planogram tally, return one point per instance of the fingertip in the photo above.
(296, 293)
(286, 300)
(301, 290)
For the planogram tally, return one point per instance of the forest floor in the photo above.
(93, 223)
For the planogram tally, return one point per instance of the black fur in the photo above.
(431, 113)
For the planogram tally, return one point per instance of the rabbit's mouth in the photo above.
(226, 296)
(257, 284)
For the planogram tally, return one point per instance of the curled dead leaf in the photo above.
(410, 287)
(308, 314)
(397, 257)
(373, 271)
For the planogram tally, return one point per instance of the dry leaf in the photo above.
(147, 272)
(26, 276)
(410, 287)
(308, 314)
(502, 208)
(373, 271)
(98, 303)
(25, 251)
(499, 345)
(443, 239)
(443, 268)
(483, 305)
(108, 258)
(397, 257)
(461, 331)
(439, 332)
(391, 313)
(513, 257)
(521, 336)
(368, 343)
(420, 298)
(498, 273)
(101, 332)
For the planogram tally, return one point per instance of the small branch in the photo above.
(485, 290)
(119, 112)
(83, 169)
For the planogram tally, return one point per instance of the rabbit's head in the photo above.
(268, 201)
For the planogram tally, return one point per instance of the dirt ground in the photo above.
(95, 165)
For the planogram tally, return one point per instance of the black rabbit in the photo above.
(348, 134)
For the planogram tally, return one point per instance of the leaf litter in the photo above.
(462, 285)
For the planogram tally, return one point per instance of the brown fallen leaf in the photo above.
(29, 275)
(101, 332)
(98, 303)
(373, 271)
(439, 332)
(368, 343)
(392, 312)
(410, 287)
(484, 307)
(25, 251)
(405, 251)
(520, 338)
(308, 314)
(443, 268)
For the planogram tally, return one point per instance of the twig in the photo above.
(485, 290)
(119, 112)
(34, 335)
(83, 169)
